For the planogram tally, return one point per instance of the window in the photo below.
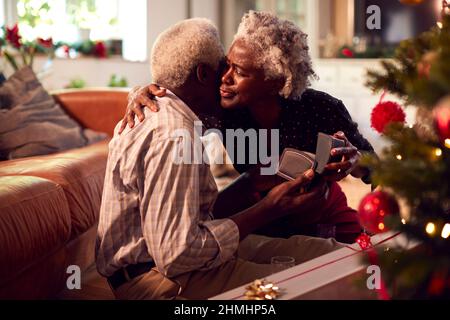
(301, 12)
(293, 10)
(76, 21)
(69, 20)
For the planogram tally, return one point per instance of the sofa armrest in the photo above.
(99, 109)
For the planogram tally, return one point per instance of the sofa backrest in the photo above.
(99, 109)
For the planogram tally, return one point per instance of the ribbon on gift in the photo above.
(373, 258)
(365, 244)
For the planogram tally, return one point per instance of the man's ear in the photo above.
(203, 73)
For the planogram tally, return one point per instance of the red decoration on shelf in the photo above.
(442, 118)
(13, 36)
(100, 49)
(364, 241)
(66, 50)
(347, 53)
(385, 113)
(374, 208)
(46, 43)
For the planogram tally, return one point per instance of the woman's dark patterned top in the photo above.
(301, 121)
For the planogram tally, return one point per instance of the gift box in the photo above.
(334, 276)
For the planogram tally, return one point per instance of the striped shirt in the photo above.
(155, 209)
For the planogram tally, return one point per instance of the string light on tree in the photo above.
(447, 143)
(445, 231)
(438, 152)
(430, 228)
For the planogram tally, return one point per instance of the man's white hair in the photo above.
(181, 48)
(281, 48)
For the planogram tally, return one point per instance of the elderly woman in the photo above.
(265, 86)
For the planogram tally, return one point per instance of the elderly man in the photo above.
(157, 238)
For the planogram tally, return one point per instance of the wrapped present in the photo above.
(331, 276)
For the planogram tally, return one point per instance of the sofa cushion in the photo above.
(34, 222)
(80, 173)
(45, 278)
(31, 123)
(97, 109)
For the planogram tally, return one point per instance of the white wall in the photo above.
(161, 15)
(96, 72)
(206, 9)
(134, 28)
(10, 11)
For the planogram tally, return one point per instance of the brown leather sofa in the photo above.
(49, 205)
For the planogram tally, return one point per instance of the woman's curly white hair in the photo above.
(281, 48)
(182, 47)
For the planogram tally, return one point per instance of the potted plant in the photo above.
(19, 53)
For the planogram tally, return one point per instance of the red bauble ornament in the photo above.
(442, 118)
(373, 209)
(385, 113)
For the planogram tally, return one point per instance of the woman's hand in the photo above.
(349, 164)
(139, 98)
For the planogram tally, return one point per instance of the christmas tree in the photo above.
(415, 168)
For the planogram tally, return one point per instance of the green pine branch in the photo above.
(400, 76)
(416, 166)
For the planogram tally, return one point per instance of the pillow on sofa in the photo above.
(31, 123)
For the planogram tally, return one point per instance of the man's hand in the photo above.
(292, 197)
(337, 171)
(284, 199)
(138, 98)
(263, 183)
